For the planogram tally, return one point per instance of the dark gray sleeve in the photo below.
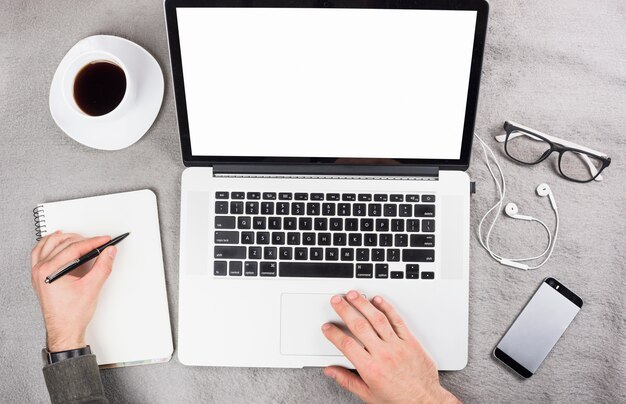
(75, 380)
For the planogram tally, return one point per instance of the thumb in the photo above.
(102, 268)
(349, 381)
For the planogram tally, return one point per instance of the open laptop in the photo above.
(326, 144)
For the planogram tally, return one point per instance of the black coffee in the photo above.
(99, 88)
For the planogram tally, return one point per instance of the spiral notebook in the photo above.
(131, 325)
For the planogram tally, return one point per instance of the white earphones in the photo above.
(512, 211)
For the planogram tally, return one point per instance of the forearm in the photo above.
(75, 380)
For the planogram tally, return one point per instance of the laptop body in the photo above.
(326, 146)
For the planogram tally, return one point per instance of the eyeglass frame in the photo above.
(556, 144)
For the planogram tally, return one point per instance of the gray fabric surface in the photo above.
(75, 380)
(554, 66)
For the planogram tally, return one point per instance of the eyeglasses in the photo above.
(576, 163)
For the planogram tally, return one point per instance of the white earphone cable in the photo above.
(502, 193)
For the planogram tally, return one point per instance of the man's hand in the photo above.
(393, 366)
(69, 302)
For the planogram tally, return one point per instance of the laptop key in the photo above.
(406, 210)
(267, 208)
(305, 223)
(254, 253)
(367, 224)
(301, 196)
(221, 207)
(378, 254)
(380, 197)
(410, 255)
(365, 197)
(253, 195)
(244, 222)
(422, 240)
(259, 223)
(385, 240)
(393, 254)
(269, 253)
(339, 239)
(397, 275)
(343, 209)
(269, 195)
(285, 196)
(413, 225)
(362, 254)
(219, 268)
(308, 238)
(401, 240)
(396, 198)
(235, 268)
(297, 208)
(313, 208)
(250, 268)
(293, 238)
(352, 224)
(347, 254)
(397, 224)
(229, 252)
(301, 253)
(382, 271)
(224, 222)
(226, 237)
(412, 271)
(354, 239)
(320, 223)
(237, 195)
(252, 208)
(263, 237)
(323, 239)
(317, 197)
(221, 195)
(428, 198)
(424, 210)
(247, 237)
(336, 224)
(382, 224)
(358, 209)
(332, 254)
(332, 197)
(370, 239)
(316, 269)
(374, 209)
(278, 238)
(268, 269)
(428, 275)
(412, 198)
(364, 270)
(348, 197)
(328, 209)
(236, 208)
(274, 223)
(390, 210)
(428, 226)
(290, 223)
(286, 253)
(282, 208)
(317, 254)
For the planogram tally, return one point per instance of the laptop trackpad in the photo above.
(301, 319)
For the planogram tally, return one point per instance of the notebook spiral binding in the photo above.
(40, 221)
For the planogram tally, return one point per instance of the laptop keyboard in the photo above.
(323, 235)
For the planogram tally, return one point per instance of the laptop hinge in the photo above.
(400, 172)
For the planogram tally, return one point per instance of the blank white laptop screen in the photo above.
(294, 82)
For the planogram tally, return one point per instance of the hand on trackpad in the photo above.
(301, 319)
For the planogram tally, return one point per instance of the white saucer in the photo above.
(132, 118)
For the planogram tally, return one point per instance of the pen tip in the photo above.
(47, 280)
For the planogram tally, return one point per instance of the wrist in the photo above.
(66, 343)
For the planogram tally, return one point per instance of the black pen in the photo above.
(85, 258)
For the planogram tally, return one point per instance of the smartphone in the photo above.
(538, 327)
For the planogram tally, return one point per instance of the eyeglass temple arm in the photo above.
(592, 168)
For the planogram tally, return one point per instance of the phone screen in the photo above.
(538, 327)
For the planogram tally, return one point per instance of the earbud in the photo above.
(511, 210)
(544, 190)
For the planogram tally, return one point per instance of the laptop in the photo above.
(326, 145)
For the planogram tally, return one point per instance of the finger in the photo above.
(395, 320)
(102, 268)
(349, 381)
(346, 344)
(71, 238)
(75, 250)
(376, 318)
(53, 243)
(36, 253)
(357, 324)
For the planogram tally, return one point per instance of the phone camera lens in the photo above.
(551, 282)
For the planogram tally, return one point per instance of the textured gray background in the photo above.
(559, 67)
